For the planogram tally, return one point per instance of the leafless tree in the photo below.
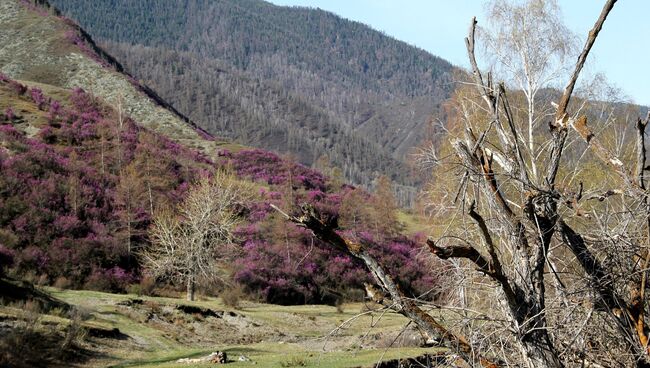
(563, 254)
(189, 241)
(530, 48)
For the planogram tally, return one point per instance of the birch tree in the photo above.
(531, 49)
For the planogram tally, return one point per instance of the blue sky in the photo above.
(439, 26)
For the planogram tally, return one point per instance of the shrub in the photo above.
(6, 259)
(295, 361)
(9, 114)
(115, 279)
(62, 282)
(147, 286)
(38, 98)
(268, 167)
(339, 306)
(20, 89)
(53, 112)
(232, 296)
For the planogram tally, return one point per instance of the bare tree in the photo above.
(189, 241)
(586, 305)
(528, 215)
(531, 49)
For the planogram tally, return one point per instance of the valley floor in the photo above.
(156, 332)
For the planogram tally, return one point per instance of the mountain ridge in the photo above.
(66, 56)
(367, 84)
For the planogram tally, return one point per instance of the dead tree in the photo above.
(190, 240)
(529, 225)
(326, 231)
(519, 217)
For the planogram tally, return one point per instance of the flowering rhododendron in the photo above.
(67, 199)
(37, 97)
(268, 167)
(9, 114)
(78, 196)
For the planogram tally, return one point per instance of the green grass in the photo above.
(279, 356)
(308, 327)
(413, 223)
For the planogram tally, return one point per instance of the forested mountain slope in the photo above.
(291, 79)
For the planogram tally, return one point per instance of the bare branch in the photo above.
(560, 115)
(310, 219)
(559, 126)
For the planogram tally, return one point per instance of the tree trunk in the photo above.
(404, 305)
(190, 289)
(539, 352)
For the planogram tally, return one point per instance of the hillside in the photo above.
(97, 175)
(55, 52)
(89, 157)
(295, 80)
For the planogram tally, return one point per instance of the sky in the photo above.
(621, 51)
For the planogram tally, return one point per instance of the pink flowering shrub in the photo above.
(113, 279)
(294, 271)
(53, 112)
(283, 264)
(38, 98)
(9, 114)
(66, 197)
(268, 167)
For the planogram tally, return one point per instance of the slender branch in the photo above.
(559, 126)
(523, 171)
(560, 116)
(638, 301)
(580, 126)
(640, 149)
(310, 219)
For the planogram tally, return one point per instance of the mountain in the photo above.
(295, 80)
(88, 156)
(56, 53)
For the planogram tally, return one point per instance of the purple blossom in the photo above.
(9, 114)
(66, 223)
(38, 98)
